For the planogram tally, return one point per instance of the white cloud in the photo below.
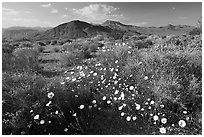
(54, 11)
(46, 5)
(97, 12)
(10, 12)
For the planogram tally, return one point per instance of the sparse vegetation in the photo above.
(147, 84)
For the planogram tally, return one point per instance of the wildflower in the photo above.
(37, 116)
(48, 103)
(182, 123)
(131, 87)
(66, 129)
(120, 108)
(62, 83)
(128, 118)
(145, 77)
(122, 114)
(81, 107)
(31, 111)
(74, 79)
(50, 95)
(155, 118)
(74, 114)
(104, 98)
(137, 106)
(149, 107)
(116, 91)
(94, 101)
(108, 102)
(152, 102)
(90, 107)
(42, 121)
(184, 112)
(164, 120)
(134, 118)
(95, 105)
(95, 74)
(115, 98)
(56, 112)
(122, 95)
(162, 130)
(162, 106)
(116, 61)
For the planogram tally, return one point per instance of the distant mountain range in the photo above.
(78, 29)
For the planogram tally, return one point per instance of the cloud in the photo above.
(54, 11)
(10, 12)
(97, 12)
(46, 5)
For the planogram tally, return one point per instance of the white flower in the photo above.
(116, 91)
(155, 118)
(122, 114)
(116, 61)
(57, 112)
(134, 118)
(131, 87)
(152, 102)
(37, 116)
(48, 103)
(184, 112)
(138, 106)
(145, 77)
(95, 74)
(122, 95)
(120, 108)
(164, 120)
(62, 83)
(108, 102)
(74, 79)
(31, 111)
(115, 98)
(162, 130)
(81, 107)
(74, 114)
(66, 129)
(94, 101)
(50, 95)
(128, 118)
(42, 121)
(182, 123)
(104, 98)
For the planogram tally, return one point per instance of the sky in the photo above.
(51, 14)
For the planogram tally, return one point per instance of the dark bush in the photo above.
(196, 31)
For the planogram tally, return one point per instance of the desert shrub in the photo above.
(56, 49)
(26, 60)
(196, 31)
(41, 49)
(25, 45)
(20, 93)
(8, 48)
(72, 58)
(41, 43)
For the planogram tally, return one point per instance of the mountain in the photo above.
(80, 29)
(74, 29)
(18, 32)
